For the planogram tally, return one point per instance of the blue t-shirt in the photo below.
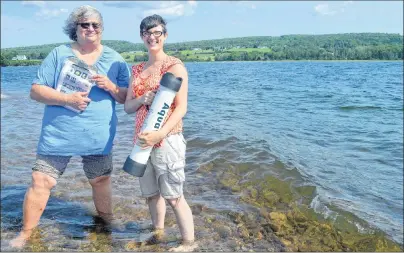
(67, 133)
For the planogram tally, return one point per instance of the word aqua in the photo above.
(161, 113)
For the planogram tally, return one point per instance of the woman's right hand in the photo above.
(78, 100)
(148, 97)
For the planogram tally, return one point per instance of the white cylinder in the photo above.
(136, 162)
(155, 118)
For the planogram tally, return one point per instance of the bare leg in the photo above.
(157, 208)
(35, 201)
(184, 218)
(185, 222)
(102, 196)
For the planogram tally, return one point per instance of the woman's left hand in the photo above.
(104, 83)
(149, 139)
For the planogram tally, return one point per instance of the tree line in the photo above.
(349, 46)
(383, 52)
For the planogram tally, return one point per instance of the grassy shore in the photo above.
(21, 63)
(38, 62)
(232, 55)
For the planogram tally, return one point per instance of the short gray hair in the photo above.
(82, 12)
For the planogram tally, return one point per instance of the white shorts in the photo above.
(165, 173)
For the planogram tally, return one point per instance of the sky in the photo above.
(27, 23)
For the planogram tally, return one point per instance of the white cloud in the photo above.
(45, 11)
(326, 9)
(248, 4)
(192, 3)
(172, 8)
(50, 13)
(121, 4)
(163, 8)
(36, 3)
(345, 4)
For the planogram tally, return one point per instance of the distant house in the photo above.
(196, 49)
(19, 58)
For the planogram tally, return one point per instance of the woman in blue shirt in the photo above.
(66, 133)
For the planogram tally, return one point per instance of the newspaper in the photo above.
(75, 76)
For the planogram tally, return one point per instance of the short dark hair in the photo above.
(151, 22)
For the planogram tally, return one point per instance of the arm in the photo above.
(133, 104)
(119, 89)
(47, 95)
(50, 96)
(181, 100)
(118, 93)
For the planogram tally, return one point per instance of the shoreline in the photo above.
(286, 209)
(276, 217)
(37, 63)
(267, 211)
(279, 218)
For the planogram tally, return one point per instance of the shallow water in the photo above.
(335, 125)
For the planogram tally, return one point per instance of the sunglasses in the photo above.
(148, 34)
(87, 25)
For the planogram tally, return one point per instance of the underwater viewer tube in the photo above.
(136, 162)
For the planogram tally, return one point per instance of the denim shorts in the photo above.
(165, 173)
(93, 165)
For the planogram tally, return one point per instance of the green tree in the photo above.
(42, 55)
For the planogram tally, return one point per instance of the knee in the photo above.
(174, 202)
(100, 181)
(153, 198)
(42, 181)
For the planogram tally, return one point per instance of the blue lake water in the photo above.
(340, 124)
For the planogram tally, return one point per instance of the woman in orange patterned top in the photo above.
(164, 176)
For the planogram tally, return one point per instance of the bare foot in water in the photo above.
(185, 247)
(20, 241)
(156, 238)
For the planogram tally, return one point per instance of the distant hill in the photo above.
(119, 45)
(322, 41)
(339, 46)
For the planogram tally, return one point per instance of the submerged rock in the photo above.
(283, 213)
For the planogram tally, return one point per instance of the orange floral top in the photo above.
(151, 83)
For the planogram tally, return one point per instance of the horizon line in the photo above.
(296, 34)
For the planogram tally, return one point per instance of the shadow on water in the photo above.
(64, 226)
